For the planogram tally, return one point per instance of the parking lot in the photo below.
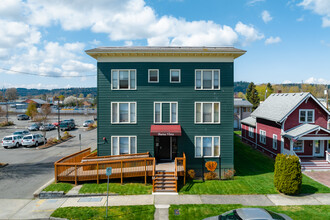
(30, 168)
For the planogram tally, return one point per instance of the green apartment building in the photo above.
(167, 101)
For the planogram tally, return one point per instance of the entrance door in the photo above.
(163, 148)
(318, 148)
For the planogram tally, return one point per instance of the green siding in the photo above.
(184, 93)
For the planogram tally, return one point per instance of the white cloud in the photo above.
(300, 19)
(249, 33)
(313, 80)
(253, 2)
(273, 40)
(31, 86)
(320, 7)
(266, 17)
(286, 82)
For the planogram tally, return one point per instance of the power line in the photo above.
(34, 74)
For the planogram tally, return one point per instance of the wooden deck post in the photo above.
(75, 174)
(145, 171)
(55, 173)
(121, 172)
(97, 173)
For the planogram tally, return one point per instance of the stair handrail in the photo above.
(327, 155)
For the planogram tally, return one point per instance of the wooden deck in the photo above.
(87, 166)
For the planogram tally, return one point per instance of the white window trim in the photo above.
(303, 147)
(202, 103)
(251, 132)
(202, 153)
(129, 113)
(263, 141)
(202, 70)
(129, 78)
(171, 75)
(129, 143)
(149, 70)
(161, 113)
(275, 141)
(307, 110)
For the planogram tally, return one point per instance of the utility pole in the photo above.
(7, 111)
(58, 119)
(327, 95)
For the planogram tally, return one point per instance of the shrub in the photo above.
(191, 174)
(52, 141)
(211, 166)
(229, 174)
(287, 174)
(210, 175)
(66, 135)
(5, 123)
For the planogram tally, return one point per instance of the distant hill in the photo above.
(23, 92)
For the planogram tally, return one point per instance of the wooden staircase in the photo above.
(165, 181)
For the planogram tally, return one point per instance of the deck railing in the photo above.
(327, 155)
(71, 168)
(289, 152)
(180, 167)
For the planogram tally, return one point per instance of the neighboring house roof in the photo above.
(38, 101)
(110, 51)
(302, 130)
(242, 102)
(249, 121)
(278, 106)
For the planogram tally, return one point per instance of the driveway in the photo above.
(30, 168)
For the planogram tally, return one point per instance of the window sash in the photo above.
(306, 116)
(275, 141)
(262, 137)
(123, 79)
(207, 79)
(251, 132)
(207, 112)
(158, 112)
(207, 146)
(298, 146)
(175, 76)
(123, 112)
(123, 145)
(153, 76)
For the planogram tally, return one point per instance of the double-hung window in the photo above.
(207, 112)
(306, 116)
(123, 112)
(274, 141)
(153, 76)
(175, 76)
(123, 79)
(207, 79)
(262, 137)
(165, 112)
(251, 132)
(207, 146)
(123, 145)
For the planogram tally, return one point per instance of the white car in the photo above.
(33, 139)
(11, 141)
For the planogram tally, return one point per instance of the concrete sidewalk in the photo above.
(42, 208)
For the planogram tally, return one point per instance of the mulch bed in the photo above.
(45, 146)
(3, 164)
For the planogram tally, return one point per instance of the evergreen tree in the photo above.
(252, 95)
(270, 89)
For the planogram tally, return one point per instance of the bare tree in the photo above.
(11, 94)
(2, 98)
(46, 110)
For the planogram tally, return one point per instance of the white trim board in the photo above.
(166, 59)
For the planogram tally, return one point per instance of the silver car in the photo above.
(47, 127)
(250, 214)
(33, 139)
(11, 141)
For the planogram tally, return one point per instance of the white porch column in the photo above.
(291, 146)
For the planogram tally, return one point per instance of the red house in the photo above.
(290, 123)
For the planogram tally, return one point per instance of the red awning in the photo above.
(165, 130)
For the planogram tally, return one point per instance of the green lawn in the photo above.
(254, 175)
(302, 212)
(144, 212)
(238, 132)
(66, 187)
(125, 189)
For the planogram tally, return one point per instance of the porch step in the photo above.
(315, 165)
(164, 181)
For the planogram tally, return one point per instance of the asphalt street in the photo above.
(30, 168)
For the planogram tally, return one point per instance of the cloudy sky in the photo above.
(42, 42)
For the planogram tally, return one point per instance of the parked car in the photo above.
(72, 121)
(21, 132)
(34, 127)
(88, 122)
(67, 125)
(250, 213)
(23, 117)
(56, 123)
(47, 127)
(11, 141)
(33, 139)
